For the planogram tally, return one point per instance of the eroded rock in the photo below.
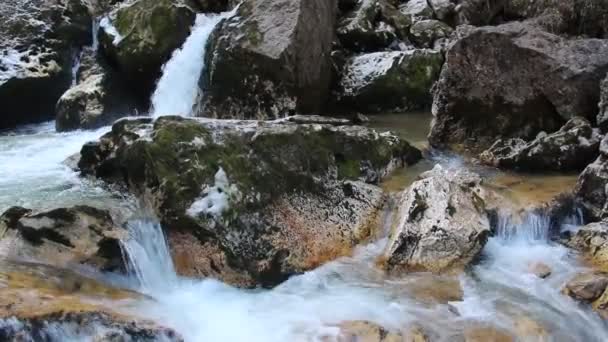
(573, 147)
(546, 81)
(381, 81)
(274, 197)
(270, 60)
(62, 237)
(441, 223)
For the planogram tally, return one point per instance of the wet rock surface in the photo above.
(37, 42)
(269, 60)
(63, 237)
(546, 81)
(442, 223)
(571, 148)
(140, 36)
(276, 197)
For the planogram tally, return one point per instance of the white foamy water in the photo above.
(500, 291)
(33, 173)
(177, 89)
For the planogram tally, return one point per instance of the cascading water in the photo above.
(177, 89)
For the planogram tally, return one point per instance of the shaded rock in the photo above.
(573, 147)
(602, 117)
(417, 10)
(66, 236)
(216, 6)
(359, 30)
(269, 60)
(591, 187)
(275, 198)
(38, 40)
(441, 222)
(478, 12)
(140, 36)
(540, 270)
(398, 80)
(444, 9)
(425, 32)
(592, 241)
(100, 97)
(391, 14)
(586, 287)
(514, 81)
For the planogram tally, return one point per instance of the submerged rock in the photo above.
(100, 97)
(540, 270)
(38, 40)
(270, 198)
(592, 186)
(381, 81)
(602, 117)
(370, 332)
(140, 36)
(270, 60)
(66, 236)
(441, 224)
(514, 81)
(573, 147)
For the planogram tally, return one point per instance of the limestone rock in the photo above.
(381, 81)
(602, 117)
(426, 32)
(270, 60)
(417, 10)
(573, 147)
(547, 80)
(443, 9)
(100, 97)
(592, 241)
(273, 198)
(591, 187)
(140, 36)
(38, 40)
(478, 12)
(586, 287)
(441, 222)
(65, 236)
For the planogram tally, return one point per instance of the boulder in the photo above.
(514, 81)
(444, 9)
(382, 81)
(425, 33)
(417, 10)
(38, 40)
(99, 97)
(140, 36)
(271, 59)
(591, 189)
(478, 12)
(359, 30)
(590, 288)
(602, 117)
(571, 148)
(592, 241)
(441, 223)
(62, 237)
(264, 198)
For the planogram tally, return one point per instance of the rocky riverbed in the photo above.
(320, 170)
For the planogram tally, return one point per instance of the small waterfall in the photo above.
(147, 256)
(177, 89)
(95, 33)
(76, 67)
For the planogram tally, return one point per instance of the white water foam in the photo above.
(177, 90)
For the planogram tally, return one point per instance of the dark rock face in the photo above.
(271, 59)
(396, 80)
(38, 40)
(441, 224)
(100, 97)
(66, 236)
(267, 199)
(478, 12)
(514, 81)
(571, 148)
(602, 117)
(591, 190)
(141, 36)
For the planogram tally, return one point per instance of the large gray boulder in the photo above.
(602, 116)
(38, 42)
(271, 59)
(382, 81)
(140, 36)
(63, 237)
(514, 81)
(252, 202)
(571, 148)
(100, 96)
(441, 223)
(592, 186)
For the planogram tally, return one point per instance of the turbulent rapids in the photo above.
(225, 205)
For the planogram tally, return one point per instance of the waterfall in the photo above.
(95, 33)
(177, 89)
(76, 67)
(147, 256)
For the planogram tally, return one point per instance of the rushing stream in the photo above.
(499, 291)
